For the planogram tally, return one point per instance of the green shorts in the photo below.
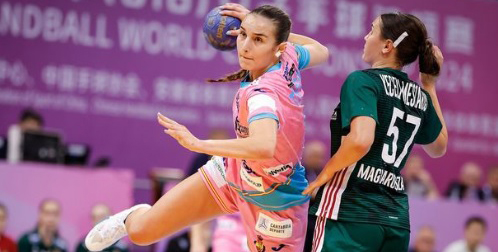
(338, 236)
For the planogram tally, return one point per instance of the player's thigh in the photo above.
(348, 236)
(187, 203)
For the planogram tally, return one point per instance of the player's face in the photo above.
(256, 43)
(372, 51)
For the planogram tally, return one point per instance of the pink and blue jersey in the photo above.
(267, 193)
(273, 184)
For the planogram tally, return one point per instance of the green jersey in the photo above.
(372, 190)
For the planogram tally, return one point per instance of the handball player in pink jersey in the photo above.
(259, 173)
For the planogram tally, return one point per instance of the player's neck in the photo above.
(386, 64)
(257, 73)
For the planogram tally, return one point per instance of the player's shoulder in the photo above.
(363, 77)
(291, 52)
(262, 85)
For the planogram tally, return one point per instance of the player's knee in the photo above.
(138, 235)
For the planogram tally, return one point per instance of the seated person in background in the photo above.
(418, 180)
(491, 188)
(425, 241)
(45, 236)
(475, 231)
(228, 235)
(468, 187)
(30, 121)
(6, 243)
(99, 213)
(314, 158)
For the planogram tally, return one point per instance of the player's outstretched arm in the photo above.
(353, 147)
(260, 144)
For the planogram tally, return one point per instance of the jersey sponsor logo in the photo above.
(237, 102)
(280, 246)
(274, 228)
(241, 130)
(409, 92)
(260, 247)
(255, 182)
(289, 72)
(334, 115)
(275, 171)
(247, 168)
(216, 170)
(381, 177)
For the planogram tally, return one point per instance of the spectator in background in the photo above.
(418, 180)
(6, 243)
(425, 241)
(30, 121)
(99, 213)
(45, 236)
(475, 231)
(314, 158)
(468, 187)
(491, 188)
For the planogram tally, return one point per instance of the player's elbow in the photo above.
(437, 150)
(324, 53)
(266, 151)
(361, 143)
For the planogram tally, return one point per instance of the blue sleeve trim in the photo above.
(263, 115)
(303, 56)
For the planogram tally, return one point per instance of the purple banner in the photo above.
(100, 70)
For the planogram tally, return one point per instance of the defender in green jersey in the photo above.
(361, 204)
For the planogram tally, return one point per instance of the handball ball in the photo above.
(216, 27)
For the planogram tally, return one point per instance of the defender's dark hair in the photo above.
(416, 44)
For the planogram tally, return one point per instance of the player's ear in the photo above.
(280, 49)
(388, 46)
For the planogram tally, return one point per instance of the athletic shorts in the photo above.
(339, 236)
(266, 230)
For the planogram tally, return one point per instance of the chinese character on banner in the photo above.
(350, 19)
(202, 8)
(282, 4)
(313, 13)
(431, 21)
(459, 35)
(381, 9)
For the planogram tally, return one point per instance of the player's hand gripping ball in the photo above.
(216, 27)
